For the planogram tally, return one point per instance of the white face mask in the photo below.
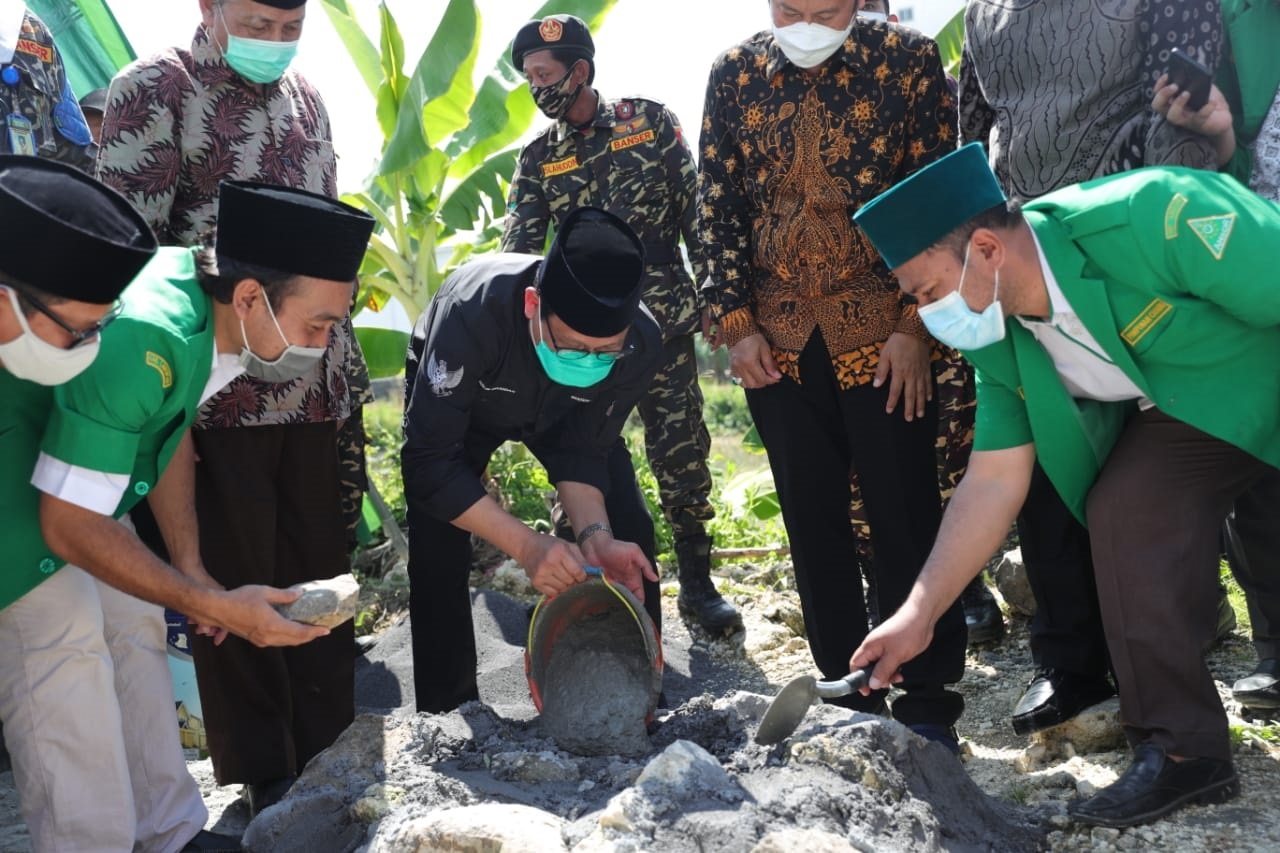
(294, 362)
(34, 359)
(810, 45)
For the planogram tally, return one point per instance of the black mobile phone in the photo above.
(1190, 76)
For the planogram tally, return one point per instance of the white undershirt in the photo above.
(99, 491)
(1080, 361)
(11, 15)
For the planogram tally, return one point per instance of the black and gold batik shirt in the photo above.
(788, 156)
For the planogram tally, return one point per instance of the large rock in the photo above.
(1095, 729)
(487, 828)
(1010, 576)
(808, 840)
(327, 603)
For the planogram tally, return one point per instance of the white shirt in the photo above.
(1081, 362)
(11, 15)
(99, 491)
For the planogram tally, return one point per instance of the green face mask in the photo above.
(258, 60)
(575, 369)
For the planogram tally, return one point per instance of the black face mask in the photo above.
(553, 100)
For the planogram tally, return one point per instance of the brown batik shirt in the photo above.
(178, 124)
(787, 158)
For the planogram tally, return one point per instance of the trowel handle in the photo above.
(851, 683)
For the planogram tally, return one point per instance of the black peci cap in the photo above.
(95, 101)
(66, 234)
(282, 4)
(592, 276)
(290, 231)
(564, 33)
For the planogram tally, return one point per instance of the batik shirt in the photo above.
(631, 160)
(180, 123)
(787, 158)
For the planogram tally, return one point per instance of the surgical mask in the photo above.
(577, 370)
(553, 100)
(879, 17)
(810, 45)
(258, 60)
(294, 362)
(34, 359)
(953, 322)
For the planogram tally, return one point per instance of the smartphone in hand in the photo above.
(1190, 76)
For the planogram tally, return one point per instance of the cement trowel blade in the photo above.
(787, 710)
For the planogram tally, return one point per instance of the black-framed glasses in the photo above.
(606, 357)
(78, 336)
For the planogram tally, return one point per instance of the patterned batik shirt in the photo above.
(1061, 95)
(631, 160)
(181, 122)
(788, 156)
(1265, 179)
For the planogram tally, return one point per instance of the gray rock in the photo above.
(533, 767)
(303, 825)
(687, 770)
(1010, 577)
(486, 828)
(327, 603)
(808, 840)
(1095, 729)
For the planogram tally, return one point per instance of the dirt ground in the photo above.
(1003, 764)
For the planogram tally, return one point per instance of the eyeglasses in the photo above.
(78, 336)
(607, 357)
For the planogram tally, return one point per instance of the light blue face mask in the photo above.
(575, 369)
(953, 322)
(258, 60)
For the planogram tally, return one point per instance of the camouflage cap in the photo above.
(563, 33)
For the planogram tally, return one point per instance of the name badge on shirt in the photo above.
(22, 139)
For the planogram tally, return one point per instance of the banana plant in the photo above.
(449, 152)
(950, 39)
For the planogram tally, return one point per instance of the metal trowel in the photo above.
(792, 703)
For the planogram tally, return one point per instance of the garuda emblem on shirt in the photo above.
(442, 379)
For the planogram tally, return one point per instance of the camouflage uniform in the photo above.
(633, 161)
(43, 96)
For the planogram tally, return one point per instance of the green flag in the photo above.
(92, 45)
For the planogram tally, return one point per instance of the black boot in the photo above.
(981, 613)
(698, 596)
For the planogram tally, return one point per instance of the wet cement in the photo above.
(598, 687)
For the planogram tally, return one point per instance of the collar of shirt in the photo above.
(849, 53)
(12, 14)
(561, 130)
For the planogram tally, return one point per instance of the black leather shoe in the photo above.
(1055, 696)
(699, 599)
(263, 795)
(210, 842)
(1155, 785)
(1261, 688)
(981, 613)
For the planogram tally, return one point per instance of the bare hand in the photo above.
(895, 641)
(710, 331)
(1212, 120)
(751, 362)
(623, 563)
(198, 574)
(904, 361)
(252, 616)
(553, 565)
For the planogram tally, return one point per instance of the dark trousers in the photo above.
(1066, 631)
(1154, 516)
(267, 499)
(815, 433)
(1255, 561)
(444, 643)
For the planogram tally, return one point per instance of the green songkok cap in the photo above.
(915, 214)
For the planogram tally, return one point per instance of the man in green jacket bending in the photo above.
(1126, 333)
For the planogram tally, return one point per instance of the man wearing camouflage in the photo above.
(40, 114)
(629, 157)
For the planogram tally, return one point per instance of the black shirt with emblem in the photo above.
(473, 382)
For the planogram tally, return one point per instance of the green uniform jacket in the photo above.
(1250, 76)
(633, 161)
(1174, 272)
(124, 415)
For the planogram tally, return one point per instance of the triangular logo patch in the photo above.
(1214, 232)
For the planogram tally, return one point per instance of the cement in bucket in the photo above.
(594, 663)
